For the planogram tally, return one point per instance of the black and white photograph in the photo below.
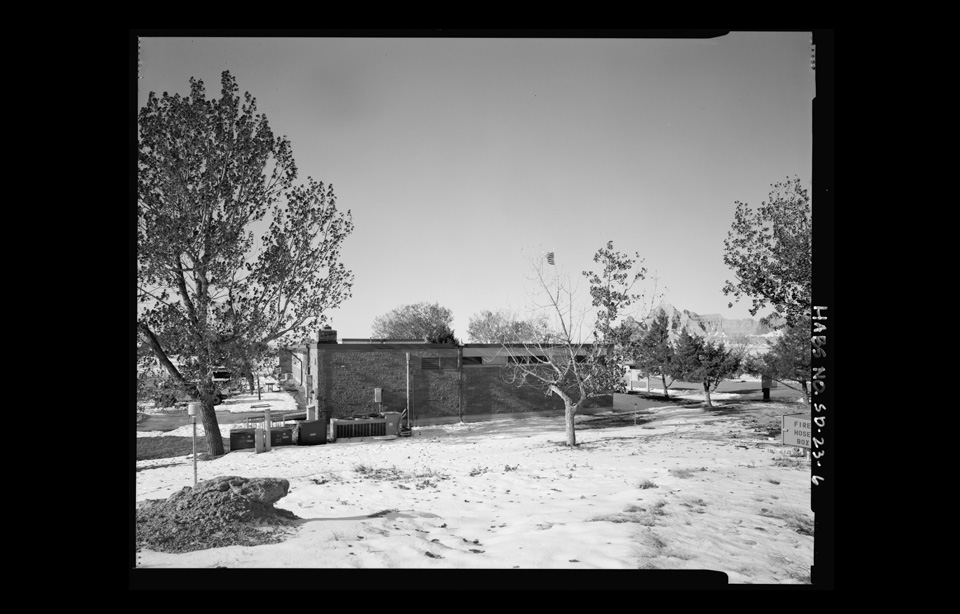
(464, 300)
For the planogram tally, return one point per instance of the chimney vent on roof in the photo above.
(327, 335)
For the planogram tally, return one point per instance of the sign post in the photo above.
(797, 430)
(192, 409)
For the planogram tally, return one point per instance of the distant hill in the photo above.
(714, 327)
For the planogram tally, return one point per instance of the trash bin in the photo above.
(312, 432)
(393, 422)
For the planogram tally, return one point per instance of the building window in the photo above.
(526, 360)
(434, 363)
(472, 361)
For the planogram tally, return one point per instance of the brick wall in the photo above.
(348, 374)
(488, 390)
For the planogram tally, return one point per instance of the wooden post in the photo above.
(258, 440)
(266, 427)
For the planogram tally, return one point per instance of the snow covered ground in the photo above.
(693, 489)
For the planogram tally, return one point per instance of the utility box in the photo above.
(241, 439)
(393, 422)
(378, 395)
(312, 432)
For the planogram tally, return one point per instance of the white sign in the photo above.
(797, 430)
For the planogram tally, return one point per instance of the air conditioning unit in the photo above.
(365, 427)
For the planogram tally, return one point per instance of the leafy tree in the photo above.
(442, 334)
(770, 252)
(652, 352)
(789, 360)
(232, 251)
(249, 359)
(565, 364)
(697, 360)
(426, 321)
(504, 327)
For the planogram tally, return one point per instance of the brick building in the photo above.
(433, 380)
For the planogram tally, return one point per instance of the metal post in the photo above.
(408, 390)
(460, 382)
(192, 409)
(194, 451)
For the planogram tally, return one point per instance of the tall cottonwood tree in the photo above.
(427, 321)
(232, 252)
(580, 358)
(502, 326)
(770, 251)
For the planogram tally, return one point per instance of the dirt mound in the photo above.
(225, 511)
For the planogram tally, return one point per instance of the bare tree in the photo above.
(580, 357)
(503, 326)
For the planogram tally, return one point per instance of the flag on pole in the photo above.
(550, 257)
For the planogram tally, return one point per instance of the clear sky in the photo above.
(459, 157)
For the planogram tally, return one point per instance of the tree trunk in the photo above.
(706, 390)
(648, 382)
(663, 378)
(250, 381)
(806, 394)
(569, 413)
(147, 335)
(211, 428)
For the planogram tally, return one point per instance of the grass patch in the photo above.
(387, 474)
(653, 540)
(427, 477)
(685, 473)
(791, 459)
(696, 505)
(646, 484)
(635, 514)
(796, 521)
